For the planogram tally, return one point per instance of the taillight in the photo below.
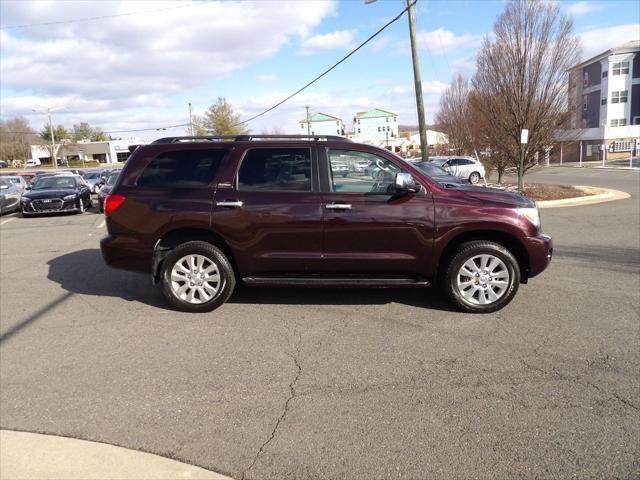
(112, 203)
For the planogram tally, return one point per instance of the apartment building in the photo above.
(321, 124)
(375, 126)
(604, 95)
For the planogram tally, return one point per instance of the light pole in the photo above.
(308, 122)
(54, 160)
(422, 127)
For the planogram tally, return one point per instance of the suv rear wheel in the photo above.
(197, 277)
(482, 277)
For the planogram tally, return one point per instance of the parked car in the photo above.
(94, 179)
(201, 215)
(56, 194)
(438, 174)
(105, 190)
(3, 164)
(33, 162)
(340, 169)
(17, 180)
(9, 196)
(462, 167)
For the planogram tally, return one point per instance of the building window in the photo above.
(302, 125)
(585, 79)
(619, 97)
(621, 68)
(386, 119)
(338, 132)
(338, 123)
(585, 102)
(603, 101)
(358, 130)
(605, 74)
(378, 128)
(619, 122)
(623, 146)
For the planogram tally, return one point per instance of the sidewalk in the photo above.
(34, 456)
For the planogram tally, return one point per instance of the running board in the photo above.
(380, 281)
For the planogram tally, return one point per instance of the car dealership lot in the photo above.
(335, 383)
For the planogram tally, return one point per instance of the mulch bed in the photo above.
(541, 191)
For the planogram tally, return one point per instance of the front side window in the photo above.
(276, 170)
(182, 169)
(374, 174)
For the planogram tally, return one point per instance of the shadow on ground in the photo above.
(85, 272)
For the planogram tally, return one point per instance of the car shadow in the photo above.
(85, 272)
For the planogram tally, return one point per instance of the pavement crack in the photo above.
(292, 394)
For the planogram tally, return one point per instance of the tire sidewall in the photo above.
(474, 175)
(466, 254)
(215, 255)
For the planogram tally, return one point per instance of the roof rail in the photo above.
(248, 138)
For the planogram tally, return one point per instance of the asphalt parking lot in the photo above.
(286, 383)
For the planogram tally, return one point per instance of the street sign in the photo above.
(524, 136)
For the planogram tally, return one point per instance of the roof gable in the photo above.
(375, 113)
(321, 117)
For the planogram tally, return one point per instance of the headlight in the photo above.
(69, 197)
(531, 214)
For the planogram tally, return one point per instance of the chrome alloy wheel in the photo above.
(483, 279)
(195, 279)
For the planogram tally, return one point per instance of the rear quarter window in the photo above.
(182, 169)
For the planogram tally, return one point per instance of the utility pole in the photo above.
(54, 160)
(308, 122)
(424, 147)
(190, 121)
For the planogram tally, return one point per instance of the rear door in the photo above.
(366, 228)
(270, 211)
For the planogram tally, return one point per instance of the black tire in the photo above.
(213, 255)
(474, 178)
(468, 251)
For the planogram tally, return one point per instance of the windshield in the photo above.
(48, 183)
(92, 175)
(4, 183)
(112, 179)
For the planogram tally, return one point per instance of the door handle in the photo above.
(338, 206)
(229, 203)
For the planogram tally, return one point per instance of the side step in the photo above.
(298, 280)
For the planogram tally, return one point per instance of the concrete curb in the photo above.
(33, 456)
(597, 195)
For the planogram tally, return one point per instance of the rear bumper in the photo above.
(117, 252)
(540, 250)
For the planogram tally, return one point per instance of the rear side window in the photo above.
(182, 169)
(276, 170)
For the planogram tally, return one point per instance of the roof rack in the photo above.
(248, 138)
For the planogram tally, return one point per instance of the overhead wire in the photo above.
(378, 32)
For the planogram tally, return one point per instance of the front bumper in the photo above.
(49, 205)
(540, 251)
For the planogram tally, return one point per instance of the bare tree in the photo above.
(522, 78)
(453, 117)
(16, 138)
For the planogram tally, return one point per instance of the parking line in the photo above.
(7, 220)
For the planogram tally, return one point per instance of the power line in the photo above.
(395, 19)
(90, 19)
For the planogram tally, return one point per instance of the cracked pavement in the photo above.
(310, 384)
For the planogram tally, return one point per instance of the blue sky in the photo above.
(140, 69)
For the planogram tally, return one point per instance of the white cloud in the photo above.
(442, 41)
(582, 8)
(465, 66)
(596, 41)
(139, 59)
(265, 78)
(328, 41)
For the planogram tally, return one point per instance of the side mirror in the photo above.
(405, 183)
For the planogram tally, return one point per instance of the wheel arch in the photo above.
(507, 240)
(178, 236)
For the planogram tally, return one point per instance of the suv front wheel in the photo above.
(482, 277)
(197, 277)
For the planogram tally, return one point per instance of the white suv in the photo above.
(467, 168)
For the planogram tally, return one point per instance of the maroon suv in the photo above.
(202, 213)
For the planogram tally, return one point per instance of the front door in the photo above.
(367, 229)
